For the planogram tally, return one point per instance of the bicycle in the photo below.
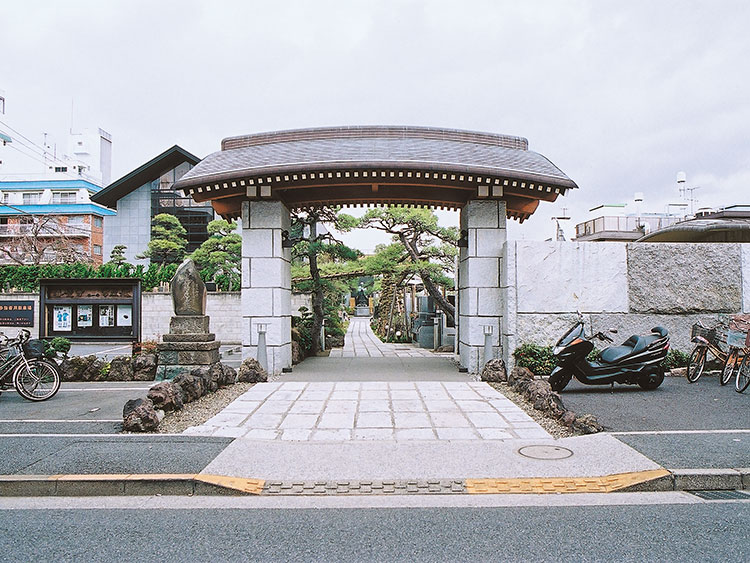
(738, 340)
(705, 339)
(22, 366)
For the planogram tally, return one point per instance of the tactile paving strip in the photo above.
(606, 484)
(375, 487)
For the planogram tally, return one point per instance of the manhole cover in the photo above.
(545, 452)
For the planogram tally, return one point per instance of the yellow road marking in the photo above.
(537, 485)
(252, 486)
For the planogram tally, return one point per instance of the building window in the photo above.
(98, 222)
(61, 168)
(31, 198)
(63, 197)
(75, 220)
(97, 250)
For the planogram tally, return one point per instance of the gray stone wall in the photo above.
(683, 278)
(627, 287)
(131, 226)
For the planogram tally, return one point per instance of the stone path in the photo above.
(372, 411)
(361, 342)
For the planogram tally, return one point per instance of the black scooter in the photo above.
(638, 361)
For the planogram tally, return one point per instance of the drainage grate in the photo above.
(721, 495)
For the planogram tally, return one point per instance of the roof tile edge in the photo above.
(374, 131)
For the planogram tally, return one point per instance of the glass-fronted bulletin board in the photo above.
(90, 309)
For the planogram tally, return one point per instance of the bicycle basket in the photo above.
(34, 349)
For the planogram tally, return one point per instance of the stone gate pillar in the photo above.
(266, 282)
(479, 280)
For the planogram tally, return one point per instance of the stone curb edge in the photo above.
(660, 480)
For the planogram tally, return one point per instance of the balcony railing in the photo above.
(17, 229)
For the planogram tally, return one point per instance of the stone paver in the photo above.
(372, 410)
(361, 342)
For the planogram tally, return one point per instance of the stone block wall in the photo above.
(627, 287)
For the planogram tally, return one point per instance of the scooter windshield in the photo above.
(571, 335)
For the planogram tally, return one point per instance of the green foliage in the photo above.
(538, 359)
(26, 278)
(104, 371)
(675, 359)
(117, 256)
(219, 257)
(56, 345)
(168, 240)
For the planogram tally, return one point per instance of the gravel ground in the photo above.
(198, 412)
(550, 424)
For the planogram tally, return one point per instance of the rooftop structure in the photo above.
(419, 166)
(731, 224)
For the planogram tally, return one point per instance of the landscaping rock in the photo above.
(209, 376)
(587, 424)
(166, 396)
(228, 376)
(81, 368)
(139, 415)
(251, 372)
(494, 371)
(334, 341)
(144, 367)
(518, 374)
(568, 418)
(190, 386)
(120, 369)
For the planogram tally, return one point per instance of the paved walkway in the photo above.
(394, 412)
(372, 410)
(361, 342)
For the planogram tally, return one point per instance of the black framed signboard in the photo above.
(90, 309)
(17, 313)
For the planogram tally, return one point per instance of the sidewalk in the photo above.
(354, 425)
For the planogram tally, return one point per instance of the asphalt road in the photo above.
(675, 405)
(78, 408)
(678, 425)
(691, 532)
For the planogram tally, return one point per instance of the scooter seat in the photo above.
(632, 345)
(613, 354)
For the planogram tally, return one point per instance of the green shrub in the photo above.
(538, 359)
(56, 345)
(675, 359)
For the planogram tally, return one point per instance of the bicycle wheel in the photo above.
(37, 382)
(743, 375)
(730, 365)
(696, 363)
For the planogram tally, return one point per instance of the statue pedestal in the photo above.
(187, 346)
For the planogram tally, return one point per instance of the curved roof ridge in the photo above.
(375, 131)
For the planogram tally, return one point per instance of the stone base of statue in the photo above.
(361, 311)
(187, 346)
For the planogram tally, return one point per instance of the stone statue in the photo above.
(188, 290)
(361, 299)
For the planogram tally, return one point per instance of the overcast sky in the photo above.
(621, 95)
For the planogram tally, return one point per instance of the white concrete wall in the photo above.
(12, 331)
(555, 277)
(223, 308)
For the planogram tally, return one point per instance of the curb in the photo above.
(660, 480)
